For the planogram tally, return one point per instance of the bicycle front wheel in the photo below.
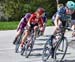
(61, 49)
(47, 51)
(17, 44)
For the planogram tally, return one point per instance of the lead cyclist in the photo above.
(63, 15)
(22, 24)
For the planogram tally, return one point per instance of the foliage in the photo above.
(16, 9)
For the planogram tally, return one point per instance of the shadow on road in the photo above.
(37, 49)
(62, 53)
(44, 39)
(47, 35)
(37, 54)
(69, 61)
(39, 43)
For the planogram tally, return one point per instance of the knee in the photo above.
(35, 28)
(42, 29)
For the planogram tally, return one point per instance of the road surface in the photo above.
(7, 52)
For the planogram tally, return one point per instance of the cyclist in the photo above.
(34, 22)
(22, 25)
(63, 15)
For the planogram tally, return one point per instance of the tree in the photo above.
(16, 9)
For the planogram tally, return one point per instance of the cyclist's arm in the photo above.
(30, 19)
(56, 20)
(59, 14)
(20, 22)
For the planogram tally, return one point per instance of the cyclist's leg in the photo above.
(35, 30)
(57, 28)
(54, 33)
(17, 34)
(23, 40)
(26, 33)
(64, 25)
(42, 30)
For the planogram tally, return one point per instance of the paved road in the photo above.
(7, 53)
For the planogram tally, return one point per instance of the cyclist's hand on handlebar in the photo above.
(57, 26)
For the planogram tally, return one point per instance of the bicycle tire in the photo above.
(57, 48)
(48, 47)
(17, 44)
(27, 50)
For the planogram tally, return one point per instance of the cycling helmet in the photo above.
(70, 5)
(40, 10)
(27, 15)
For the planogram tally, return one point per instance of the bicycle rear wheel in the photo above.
(61, 49)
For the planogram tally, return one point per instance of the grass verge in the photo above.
(8, 25)
(13, 25)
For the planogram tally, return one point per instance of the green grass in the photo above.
(13, 25)
(49, 22)
(8, 25)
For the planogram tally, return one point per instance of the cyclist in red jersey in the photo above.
(34, 22)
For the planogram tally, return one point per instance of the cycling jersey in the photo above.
(62, 15)
(24, 20)
(34, 20)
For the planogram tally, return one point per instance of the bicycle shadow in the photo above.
(62, 53)
(47, 35)
(39, 44)
(37, 54)
(45, 38)
(63, 61)
(40, 39)
(37, 49)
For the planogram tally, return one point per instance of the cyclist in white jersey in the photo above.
(63, 15)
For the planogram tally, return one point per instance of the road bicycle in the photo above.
(56, 46)
(28, 46)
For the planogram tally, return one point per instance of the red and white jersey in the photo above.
(33, 20)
